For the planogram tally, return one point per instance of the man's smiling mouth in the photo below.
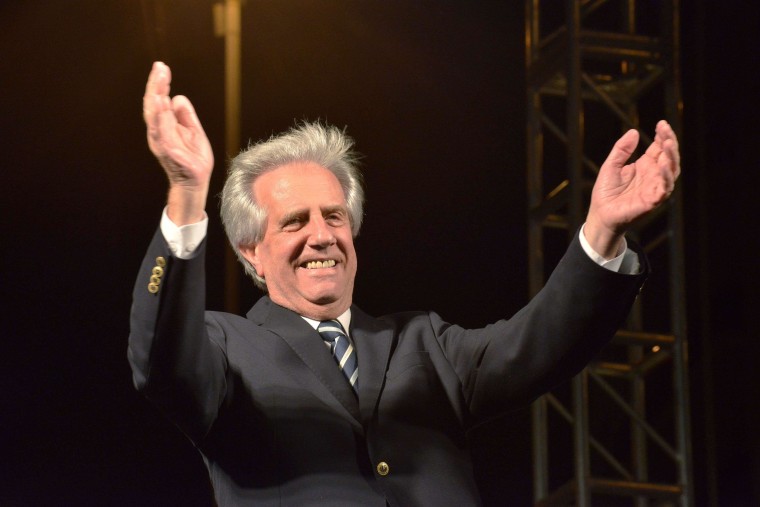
(319, 264)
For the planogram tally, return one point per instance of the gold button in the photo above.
(383, 468)
(160, 261)
(156, 280)
(158, 271)
(152, 288)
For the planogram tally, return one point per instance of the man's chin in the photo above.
(325, 307)
(328, 299)
(323, 299)
(316, 300)
(323, 291)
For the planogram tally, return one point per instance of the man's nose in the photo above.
(320, 234)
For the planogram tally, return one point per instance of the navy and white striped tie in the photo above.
(342, 350)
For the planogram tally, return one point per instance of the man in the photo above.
(277, 420)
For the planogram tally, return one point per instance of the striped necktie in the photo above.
(342, 350)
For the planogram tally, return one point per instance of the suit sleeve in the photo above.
(511, 362)
(176, 352)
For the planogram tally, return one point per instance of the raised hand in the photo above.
(177, 139)
(625, 192)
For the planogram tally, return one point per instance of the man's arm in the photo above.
(581, 306)
(177, 355)
(512, 361)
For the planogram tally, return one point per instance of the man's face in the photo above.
(307, 255)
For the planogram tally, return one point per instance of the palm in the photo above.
(625, 192)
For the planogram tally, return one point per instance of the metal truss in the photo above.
(605, 66)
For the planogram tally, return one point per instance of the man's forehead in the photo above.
(299, 181)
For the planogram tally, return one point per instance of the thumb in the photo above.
(623, 149)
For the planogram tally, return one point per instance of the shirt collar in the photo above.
(344, 319)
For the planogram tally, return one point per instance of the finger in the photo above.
(667, 172)
(663, 133)
(159, 79)
(668, 142)
(157, 107)
(654, 150)
(158, 84)
(664, 130)
(672, 146)
(185, 113)
(163, 127)
(623, 149)
(670, 152)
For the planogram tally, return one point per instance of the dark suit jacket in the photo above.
(277, 423)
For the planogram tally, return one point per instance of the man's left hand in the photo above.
(624, 192)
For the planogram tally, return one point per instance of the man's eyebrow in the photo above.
(293, 215)
(327, 210)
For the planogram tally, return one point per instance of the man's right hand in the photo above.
(177, 139)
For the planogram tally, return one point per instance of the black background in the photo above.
(434, 94)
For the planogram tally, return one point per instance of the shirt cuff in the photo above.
(183, 240)
(626, 262)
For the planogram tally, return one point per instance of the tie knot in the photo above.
(330, 330)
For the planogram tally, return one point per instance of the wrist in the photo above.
(603, 240)
(186, 205)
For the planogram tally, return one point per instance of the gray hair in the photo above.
(245, 220)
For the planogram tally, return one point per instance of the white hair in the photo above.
(245, 220)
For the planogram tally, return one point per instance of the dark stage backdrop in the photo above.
(433, 92)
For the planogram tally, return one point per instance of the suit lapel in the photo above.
(373, 346)
(315, 358)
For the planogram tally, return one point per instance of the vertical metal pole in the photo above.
(636, 353)
(581, 440)
(232, 107)
(575, 125)
(540, 443)
(539, 431)
(535, 143)
(575, 117)
(674, 104)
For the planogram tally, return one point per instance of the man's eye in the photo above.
(293, 224)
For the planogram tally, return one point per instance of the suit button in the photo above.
(155, 280)
(158, 271)
(383, 468)
(152, 288)
(160, 262)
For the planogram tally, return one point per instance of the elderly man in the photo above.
(310, 401)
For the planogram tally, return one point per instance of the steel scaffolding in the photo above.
(605, 66)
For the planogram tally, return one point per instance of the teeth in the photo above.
(320, 264)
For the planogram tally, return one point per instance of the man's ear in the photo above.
(251, 254)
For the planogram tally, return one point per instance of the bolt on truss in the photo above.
(595, 69)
